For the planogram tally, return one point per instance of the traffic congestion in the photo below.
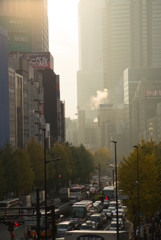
(78, 209)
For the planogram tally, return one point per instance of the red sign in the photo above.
(153, 93)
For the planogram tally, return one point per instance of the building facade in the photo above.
(142, 96)
(115, 35)
(27, 23)
(4, 88)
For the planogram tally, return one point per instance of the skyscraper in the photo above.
(90, 75)
(114, 35)
(27, 21)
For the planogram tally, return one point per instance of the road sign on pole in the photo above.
(123, 197)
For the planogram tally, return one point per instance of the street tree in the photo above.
(25, 173)
(148, 181)
(36, 154)
(102, 156)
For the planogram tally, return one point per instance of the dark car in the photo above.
(100, 205)
(86, 226)
(96, 217)
(108, 212)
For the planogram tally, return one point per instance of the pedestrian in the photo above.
(13, 235)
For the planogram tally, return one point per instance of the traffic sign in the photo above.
(123, 197)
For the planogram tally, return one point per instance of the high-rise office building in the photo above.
(90, 74)
(114, 35)
(27, 24)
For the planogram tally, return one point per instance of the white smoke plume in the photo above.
(100, 98)
(95, 120)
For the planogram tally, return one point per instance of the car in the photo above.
(108, 212)
(121, 222)
(94, 225)
(96, 217)
(96, 207)
(64, 226)
(104, 216)
(112, 209)
(92, 190)
(76, 223)
(100, 205)
(73, 199)
(121, 211)
(86, 226)
(105, 203)
(113, 226)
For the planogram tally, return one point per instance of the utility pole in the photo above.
(115, 142)
(138, 189)
(45, 183)
(38, 214)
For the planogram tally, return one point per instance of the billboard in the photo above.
(40, 60)
(19, 33)
(153, 93)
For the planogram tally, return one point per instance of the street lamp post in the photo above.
(45, 183)
(115, 142)
(45, 188)
(138, 190)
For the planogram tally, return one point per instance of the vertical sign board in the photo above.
(19, 33)
(4, 88)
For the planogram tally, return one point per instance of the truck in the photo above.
(64, 194)
(95, 235)
(34, 197)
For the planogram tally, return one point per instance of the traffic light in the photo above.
(59, 176)
(16, 223)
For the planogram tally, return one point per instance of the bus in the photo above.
(81, 210)
(79, 192)
(108, 193)
(9, 203)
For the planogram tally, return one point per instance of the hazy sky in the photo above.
(63, 44)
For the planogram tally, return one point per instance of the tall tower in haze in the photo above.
(90, 77)
(30, 17)
(114, 35)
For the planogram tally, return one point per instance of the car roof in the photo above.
(96, 214)
(64, 222)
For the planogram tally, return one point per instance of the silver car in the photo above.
(64, 226)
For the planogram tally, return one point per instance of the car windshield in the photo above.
(85, 227)
(95, 218)
(63, 226)
(78, 212)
